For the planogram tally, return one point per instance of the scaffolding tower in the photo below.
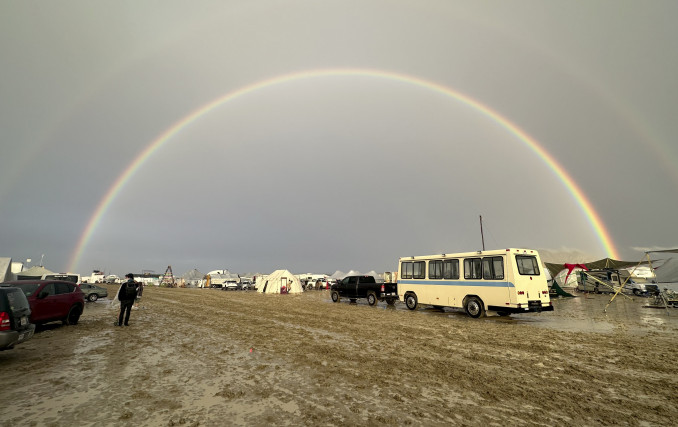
(168, 278)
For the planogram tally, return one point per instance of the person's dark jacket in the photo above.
(128, 291)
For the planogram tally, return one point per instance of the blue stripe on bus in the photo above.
(497, 284)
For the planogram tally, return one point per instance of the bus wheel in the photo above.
(411, 301)
(335, 296)
(474, 307)
(371, 298)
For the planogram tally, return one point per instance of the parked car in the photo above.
(354, 287)
(231, 285)
(15, 312)
(52, 300)
(93, 292)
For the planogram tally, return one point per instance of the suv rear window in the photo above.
(17, 301)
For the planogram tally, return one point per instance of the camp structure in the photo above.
(33, 273)
(275, 282)
(5, 269)
(192, 279)
(556, 270)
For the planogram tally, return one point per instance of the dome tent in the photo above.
(274, 282)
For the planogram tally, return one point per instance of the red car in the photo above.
(52, 300)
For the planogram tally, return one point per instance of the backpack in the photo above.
(128, 291)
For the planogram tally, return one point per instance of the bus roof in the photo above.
(519, 251)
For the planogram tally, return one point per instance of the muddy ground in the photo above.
(211, 358)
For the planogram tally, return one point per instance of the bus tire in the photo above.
(474, 307)
(372, 298)
(411, 301)
(335, 296)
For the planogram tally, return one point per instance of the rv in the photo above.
(502, 281)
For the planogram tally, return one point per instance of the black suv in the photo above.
(15, 312)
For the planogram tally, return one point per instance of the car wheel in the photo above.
(371, 298)
(474, 307)
(73, 315)
(92, 297)
(335, 296)
(411, 301)
(353, 300)
(637, 292)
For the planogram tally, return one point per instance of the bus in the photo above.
(503, 281)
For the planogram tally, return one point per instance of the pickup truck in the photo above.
(354, 287)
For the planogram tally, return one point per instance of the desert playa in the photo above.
(201, 357)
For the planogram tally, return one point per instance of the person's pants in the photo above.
(126, 310)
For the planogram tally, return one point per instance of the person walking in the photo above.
(127, 294)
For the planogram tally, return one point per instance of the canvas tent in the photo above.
(274, 282)
(33, 273)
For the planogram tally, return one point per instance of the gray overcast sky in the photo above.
(335, 172)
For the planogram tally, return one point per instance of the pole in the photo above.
(481, 232)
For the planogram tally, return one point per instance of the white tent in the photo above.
(274, 282)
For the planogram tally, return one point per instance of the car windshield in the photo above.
(27, 288)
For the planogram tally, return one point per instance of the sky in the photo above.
(334, 135)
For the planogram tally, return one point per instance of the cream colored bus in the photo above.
(503, 281)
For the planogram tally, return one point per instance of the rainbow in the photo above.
(576, 192)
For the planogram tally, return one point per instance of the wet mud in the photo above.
(211, 358)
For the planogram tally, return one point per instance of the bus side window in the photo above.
(451, 269)
(419, 270)
(493, 268)
(472, 268)
(435, 269)
(406, 270)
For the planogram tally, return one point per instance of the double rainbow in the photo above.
(576, 192)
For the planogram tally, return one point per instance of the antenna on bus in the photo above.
(481, 231)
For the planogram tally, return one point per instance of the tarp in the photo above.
(559, 291)
(33, 273)
(667, 272)
(274, 282)
(601, 264)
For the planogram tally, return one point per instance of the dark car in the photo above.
(93, 292)
(52, 300)
(15, 312)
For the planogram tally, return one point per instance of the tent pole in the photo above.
(622, 285)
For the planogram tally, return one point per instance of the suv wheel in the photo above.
(73, 316)
(335, 296)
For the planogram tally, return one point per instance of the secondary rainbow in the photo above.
(576, 192)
